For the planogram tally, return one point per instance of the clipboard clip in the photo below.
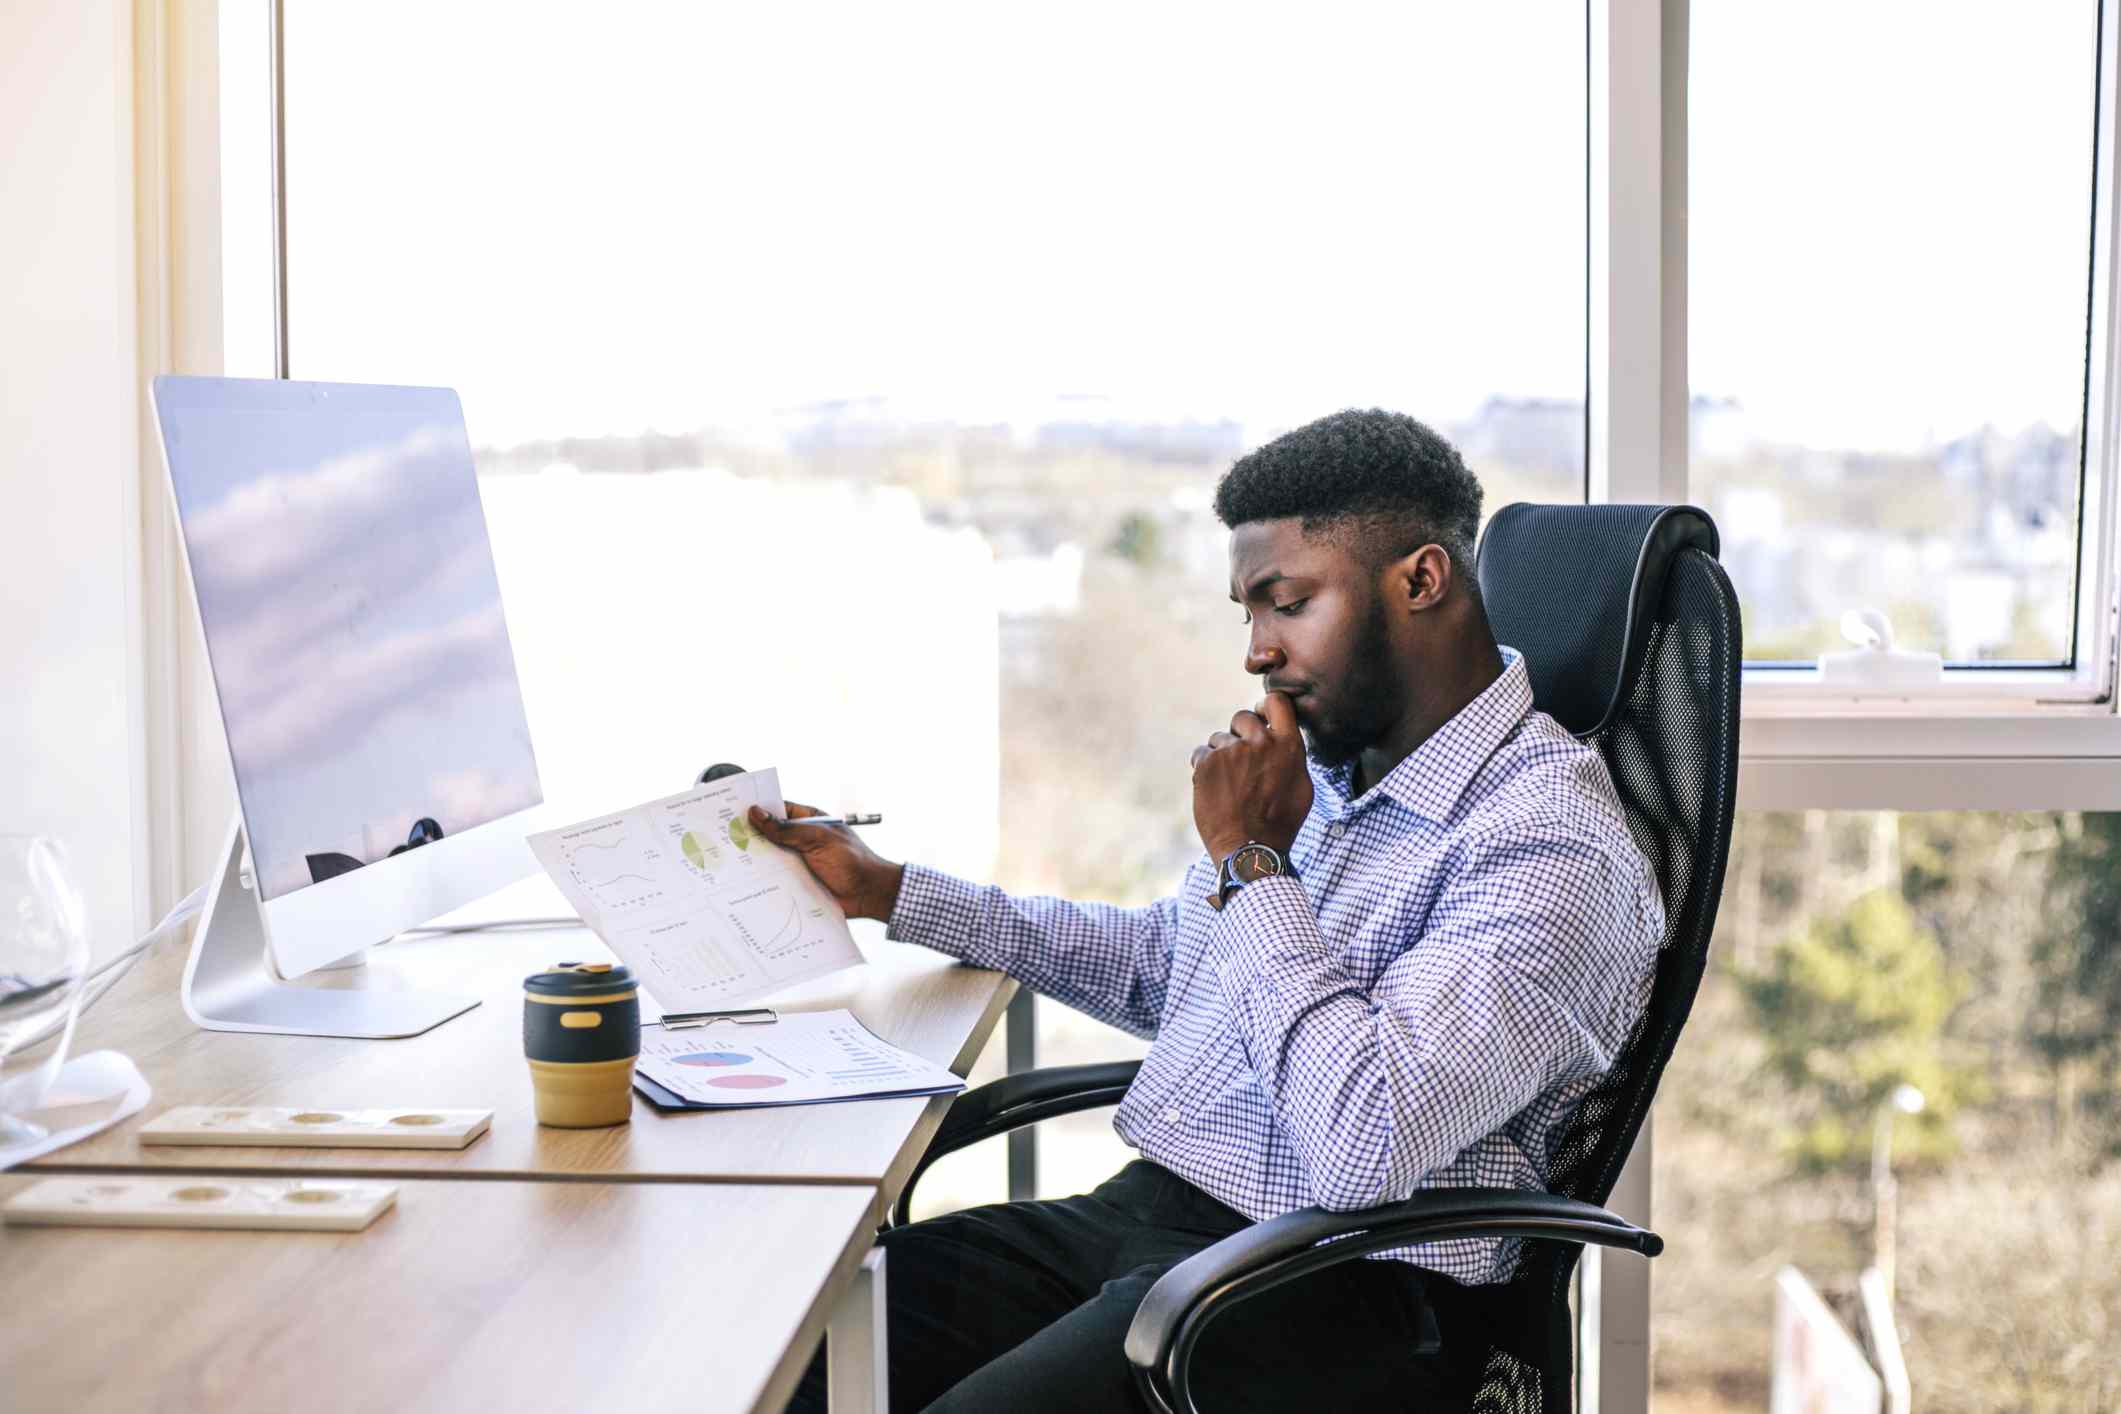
(745, 1016)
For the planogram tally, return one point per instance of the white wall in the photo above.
(69, 447)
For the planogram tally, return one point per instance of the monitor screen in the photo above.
(353, 619)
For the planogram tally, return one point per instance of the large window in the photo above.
(1976, 958)
(850, 385)
(1889, 227)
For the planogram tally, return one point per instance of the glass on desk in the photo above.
(43, 954)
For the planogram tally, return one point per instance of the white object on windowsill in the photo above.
(1874, 664)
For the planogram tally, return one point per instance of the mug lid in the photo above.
(579, 979)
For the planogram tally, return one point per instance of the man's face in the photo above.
(1319, 632)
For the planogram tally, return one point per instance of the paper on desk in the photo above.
(801, 1059)
(705, 911)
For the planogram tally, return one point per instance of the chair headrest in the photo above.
(1575, 588)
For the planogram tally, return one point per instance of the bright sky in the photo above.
(1890, 213)
(601, 219)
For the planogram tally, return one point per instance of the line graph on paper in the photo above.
(609, 870)
(767, 920)
(705, 912)
(780, 927)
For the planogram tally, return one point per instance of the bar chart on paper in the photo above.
(705, 911)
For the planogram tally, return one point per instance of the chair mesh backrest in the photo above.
(1630, 630)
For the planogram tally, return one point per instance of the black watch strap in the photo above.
(1246, 864)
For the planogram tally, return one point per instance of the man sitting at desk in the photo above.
(1401, 962)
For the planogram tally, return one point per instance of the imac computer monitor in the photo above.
(339, 558)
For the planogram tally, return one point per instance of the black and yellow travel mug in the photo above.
(581, 1034)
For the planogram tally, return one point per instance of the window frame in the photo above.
(1984, 739)
(2010, 735)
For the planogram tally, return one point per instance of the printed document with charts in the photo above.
(801, 1058)
(705, 911)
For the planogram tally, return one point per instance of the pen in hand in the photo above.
(850, 818)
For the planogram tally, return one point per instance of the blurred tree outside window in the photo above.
(1972, 956)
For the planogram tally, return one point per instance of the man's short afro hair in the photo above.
(1389, 482)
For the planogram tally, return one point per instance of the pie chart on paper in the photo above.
(717, 1060)
(701, 854)
(713, 1058)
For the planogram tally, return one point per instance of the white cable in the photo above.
(122, 963)
(496, 925)
(186, 908)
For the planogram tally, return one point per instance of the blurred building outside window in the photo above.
(1889, 242)
(883, 450)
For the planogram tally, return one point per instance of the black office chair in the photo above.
(1630, 630)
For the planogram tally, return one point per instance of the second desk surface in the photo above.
(909, 996)
(528, 1297)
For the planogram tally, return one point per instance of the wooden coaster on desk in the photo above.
(273, 1204)
(317, 1129)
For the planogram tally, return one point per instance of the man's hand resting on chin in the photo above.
(862, 882)
(1250, 782)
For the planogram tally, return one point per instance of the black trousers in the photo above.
(1022, 1307)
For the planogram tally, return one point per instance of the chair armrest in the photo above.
(1013, 1102)
(1171, 1318)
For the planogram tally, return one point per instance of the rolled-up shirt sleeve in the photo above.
(1525, 978)
(1113, 963)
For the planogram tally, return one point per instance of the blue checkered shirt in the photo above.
(1461, 955)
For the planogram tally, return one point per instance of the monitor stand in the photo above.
(229, 984)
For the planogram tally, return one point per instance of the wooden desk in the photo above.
(466, 1296)
(910, 996)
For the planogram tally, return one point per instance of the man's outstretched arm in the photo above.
(1110, 962)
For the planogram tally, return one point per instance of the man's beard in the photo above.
(1364, 700)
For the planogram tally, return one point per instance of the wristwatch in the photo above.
(1243, 865)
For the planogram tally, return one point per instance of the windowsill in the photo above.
(1934, 731)
(2030, 693)
(2010, 741)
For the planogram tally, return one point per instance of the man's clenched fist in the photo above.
(1250, 782)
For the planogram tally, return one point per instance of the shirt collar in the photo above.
(1432, 777)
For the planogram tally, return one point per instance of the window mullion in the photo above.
(1638, 437)
(2096, 619)
(1638, 334)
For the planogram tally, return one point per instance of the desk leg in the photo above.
(855, 1368)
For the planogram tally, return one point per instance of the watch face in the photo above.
(1254, 861)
